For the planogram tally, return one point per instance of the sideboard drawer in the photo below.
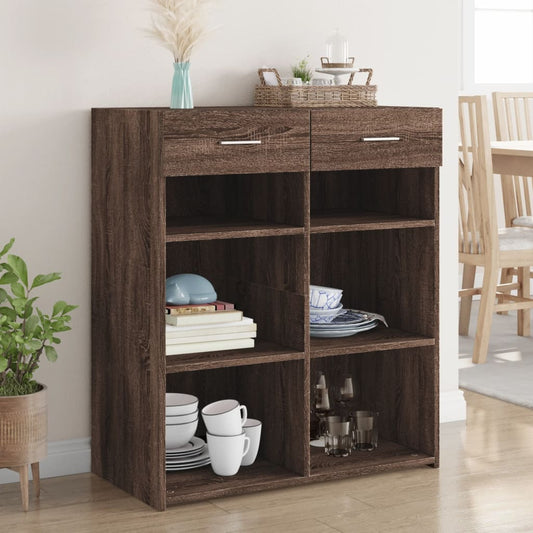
(234, 141)
(380, 137)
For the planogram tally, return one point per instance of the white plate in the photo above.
(337, 70)
(180, 468)
(188, 460)
(196, 451)
(318, 443)
(332, 334)
(194, 444)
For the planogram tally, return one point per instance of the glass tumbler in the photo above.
(338, 436)
(365, 430)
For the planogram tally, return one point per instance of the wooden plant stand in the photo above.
(23, 437)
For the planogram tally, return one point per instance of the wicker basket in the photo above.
(315, 95)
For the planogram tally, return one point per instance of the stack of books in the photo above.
(207, 328)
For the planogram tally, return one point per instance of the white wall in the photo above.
(62, 57)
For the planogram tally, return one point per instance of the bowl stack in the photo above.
(181, 419)
(183, 449)
(324, 304)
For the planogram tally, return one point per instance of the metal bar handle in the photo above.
(380, 139)
(239, 142)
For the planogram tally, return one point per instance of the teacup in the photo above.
(224, 417)
(226, 452)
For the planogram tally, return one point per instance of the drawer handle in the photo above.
(239, 142)
(379, 139)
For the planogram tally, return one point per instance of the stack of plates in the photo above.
(193, 455)
(348, 322)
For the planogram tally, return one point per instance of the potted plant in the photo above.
(303, 71)
(26, 333)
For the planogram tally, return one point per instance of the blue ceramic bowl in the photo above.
(324, 297)
(323, 316)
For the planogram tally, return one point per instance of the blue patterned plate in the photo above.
(345, 332)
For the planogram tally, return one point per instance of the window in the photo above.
(498, 42)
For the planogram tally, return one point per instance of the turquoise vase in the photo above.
(181, 96)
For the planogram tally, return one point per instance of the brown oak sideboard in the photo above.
(341, 197)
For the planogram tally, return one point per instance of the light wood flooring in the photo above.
(484, 484)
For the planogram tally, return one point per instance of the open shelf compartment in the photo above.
(364, 200)
(273, 394)
(392, 273)
(402, 386)
(263, 277)
(234, 206)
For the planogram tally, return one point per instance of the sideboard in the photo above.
(264, 202)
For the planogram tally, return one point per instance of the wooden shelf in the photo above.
(263, 352)
(203, 484)
(388, 456)
(376, 340)
(365, 221)
(208, 228)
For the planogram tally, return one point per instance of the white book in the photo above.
(215, 346)
(208, 317)
(210, 338)
(246, 324)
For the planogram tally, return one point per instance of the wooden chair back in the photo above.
(513, 112)
(478, 228)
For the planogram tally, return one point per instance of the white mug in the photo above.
(224, 417)
(252, 428)
(226, 452)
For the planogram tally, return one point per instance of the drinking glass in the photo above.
(322, 408)
(338, 436)
(365, 430)
(344, 395)
(321, 405)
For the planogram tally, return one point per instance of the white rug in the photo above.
(508, 372)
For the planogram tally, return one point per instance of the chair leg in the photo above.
(486, 309)
(523, 325)
(506, 277)
(36, 479)
(469, 274)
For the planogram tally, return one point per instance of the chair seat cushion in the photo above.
(516, 238)
(525, 221)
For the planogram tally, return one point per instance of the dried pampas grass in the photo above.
(178, 25)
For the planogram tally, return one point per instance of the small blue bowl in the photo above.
(324, 297)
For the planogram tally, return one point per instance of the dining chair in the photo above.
(481, 243)
(513, 114)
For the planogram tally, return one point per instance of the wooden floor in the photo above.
(485, 483)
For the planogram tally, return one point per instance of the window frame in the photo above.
(468, 83)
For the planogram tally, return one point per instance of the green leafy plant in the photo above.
(25, 331)
(302, 70)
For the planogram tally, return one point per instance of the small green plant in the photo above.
(25, 331)
(302, 70)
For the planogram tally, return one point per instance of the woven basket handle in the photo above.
(370, 72)
(261, 72)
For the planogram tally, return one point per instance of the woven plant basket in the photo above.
(23, 428)
(315, 95)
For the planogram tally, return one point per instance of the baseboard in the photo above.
(65, 457)
(452, 406)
